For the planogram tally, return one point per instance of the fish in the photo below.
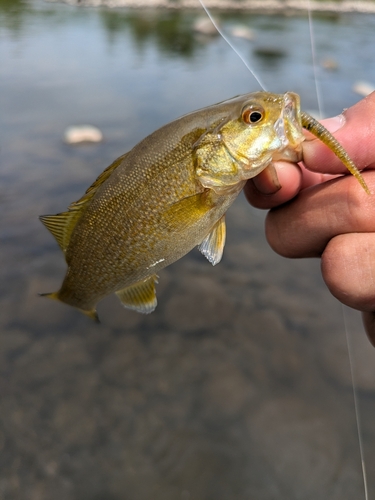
(170, 193)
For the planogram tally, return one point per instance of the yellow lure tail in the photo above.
(317, 129)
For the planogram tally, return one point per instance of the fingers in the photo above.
(348, 268)
(333, 220)
(343, 234)
(304, 227)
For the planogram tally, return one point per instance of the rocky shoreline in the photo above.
(290, 6)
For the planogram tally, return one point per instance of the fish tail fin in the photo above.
(90, 313)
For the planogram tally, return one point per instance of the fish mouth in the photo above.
(288, 128)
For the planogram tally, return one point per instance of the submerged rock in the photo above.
(82, 133)
(330, 64)
(270, 53)
(241, 31)
(363, 88)
(204, 26)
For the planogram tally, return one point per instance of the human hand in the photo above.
(318, 212)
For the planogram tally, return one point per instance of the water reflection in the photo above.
(238, 385)
(171, 32)
(270, 55)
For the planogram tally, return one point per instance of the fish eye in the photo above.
(251, 115)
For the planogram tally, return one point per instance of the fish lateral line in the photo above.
(320, 132)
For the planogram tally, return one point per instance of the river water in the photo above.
(238, 386)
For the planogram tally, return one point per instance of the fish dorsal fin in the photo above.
(212, 246)
(62, 225)
(90, 192)
(140, 297)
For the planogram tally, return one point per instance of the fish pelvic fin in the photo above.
(90, 313)
(140, 297)
(62, 225)
(212, 246)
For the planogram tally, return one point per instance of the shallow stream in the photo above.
(238, 385)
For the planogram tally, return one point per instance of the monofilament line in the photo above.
(221, 33)
(356, 407)
(314, 61)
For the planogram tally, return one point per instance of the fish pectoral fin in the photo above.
(140, 297)
(212, 246)
(187, 211)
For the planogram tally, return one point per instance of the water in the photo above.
(238, 386)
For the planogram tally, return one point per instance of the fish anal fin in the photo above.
(140, 297)
(212, 246)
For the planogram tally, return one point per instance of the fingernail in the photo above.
(267, 182)
(335, 123)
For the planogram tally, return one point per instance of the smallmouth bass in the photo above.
(170, 193)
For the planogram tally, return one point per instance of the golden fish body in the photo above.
(168, 195)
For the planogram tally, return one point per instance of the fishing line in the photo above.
(356, 405)
(351, 363)
(320, 107)
(221, 33)
(314, 60)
